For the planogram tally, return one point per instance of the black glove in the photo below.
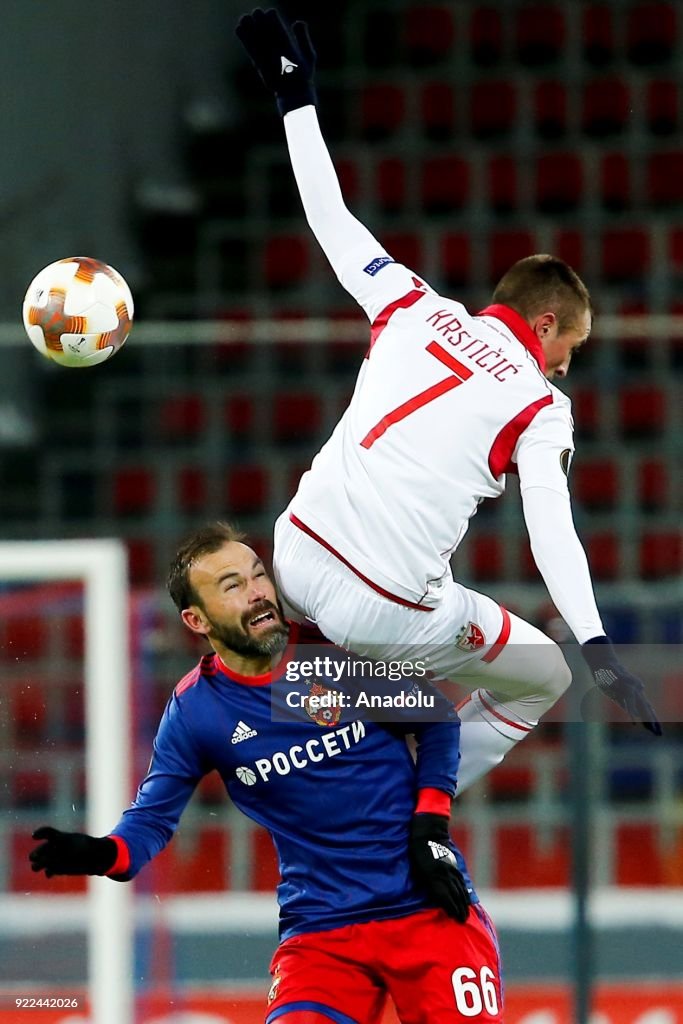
(285, 61)
(71, 853)
(434, 866)
(617, 683)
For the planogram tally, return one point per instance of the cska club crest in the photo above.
(327, 707)
(471, 637)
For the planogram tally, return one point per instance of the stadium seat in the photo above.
(349, 179)
(597, 34)
(486, 36)
(493, 108)
(390, 185)
(405, 247)
(502, 190)
(605, 108)
(239, 416)
(429, 34)
(382, 111)
(662, 107)
(651, 33)
(297, 418)
(73, 636)
(265, 869)
(653, 485)
(570, 247)
(595, 483)
(181, 418)
(286, 260)
(141, 562)
(533, 864)
(559, 180)
(31, 790)
(437, 111)
(24, 636)
(661, 554)
(676, 341)
(191, 490)
(22, 879)
(134, 491)
(444, 184)
(247, 489)
(642, 412)
(505, 248)
(615, 182)
(486, 557)
(625, 255)
(676, 250)
(586, 411)
(201, 865)
(635, 353)
(456, 256)
(539, 34)
(550, 109)
(665, 179)
(602, 550)
(27, 704)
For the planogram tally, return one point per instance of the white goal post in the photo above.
(101, 566)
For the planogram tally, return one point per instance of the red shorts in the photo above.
(435, 970)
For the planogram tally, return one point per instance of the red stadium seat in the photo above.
(595, 483)
(192, 489)
(21, 877)
(297, 418)
(404, 247)
(493, 108)
(24, 636)
(625, 254)
(570, 247)
(661, 554)
(502, 190)
(597, 34)
(31, 790)
(486, 36)
(505, 248)
(429, 34)
(642, 412)
(635, 353)
(602, 550)
(437, 110)
(486, 557)
(653, 485)
(559, 180)
(615, 181)
(247, 489)
(676, 341)
(550, 109)
(662, 107)
(445, 184)
(382, 111)
(349, 178)
(665, 179)
(27, 702)
(134, 491)
(181, 418)
(390, 185)
(651, 33)
(539, 33)
(456, 256)
(586, 409)
(265, 870)
(141, 562)
(605, 107)
(540, 865)
(239, 416)
(676, 249)
(286, 261)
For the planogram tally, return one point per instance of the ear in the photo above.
(544, 326)
(194, 620)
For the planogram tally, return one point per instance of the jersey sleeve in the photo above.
(543, 456)
(437, 737)
(361, 263)
(174, 771)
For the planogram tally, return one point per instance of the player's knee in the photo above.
(559, 674)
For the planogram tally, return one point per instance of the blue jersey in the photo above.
(335, 788)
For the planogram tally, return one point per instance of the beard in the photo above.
(238, 639)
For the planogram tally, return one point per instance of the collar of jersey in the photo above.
(265, 679)
(520, 328)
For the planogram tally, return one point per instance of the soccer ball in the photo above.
(78, 311)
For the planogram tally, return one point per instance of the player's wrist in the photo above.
(433, 801)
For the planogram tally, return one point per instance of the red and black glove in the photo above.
(71, 853)
(434, 865)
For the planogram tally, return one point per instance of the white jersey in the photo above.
(445, 405)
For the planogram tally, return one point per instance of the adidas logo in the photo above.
(440, 852)
(243, 732)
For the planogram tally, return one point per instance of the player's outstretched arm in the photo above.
(285, 61)
(72, 853)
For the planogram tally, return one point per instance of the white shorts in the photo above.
(466, 637)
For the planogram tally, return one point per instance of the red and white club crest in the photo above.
(471, 637)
